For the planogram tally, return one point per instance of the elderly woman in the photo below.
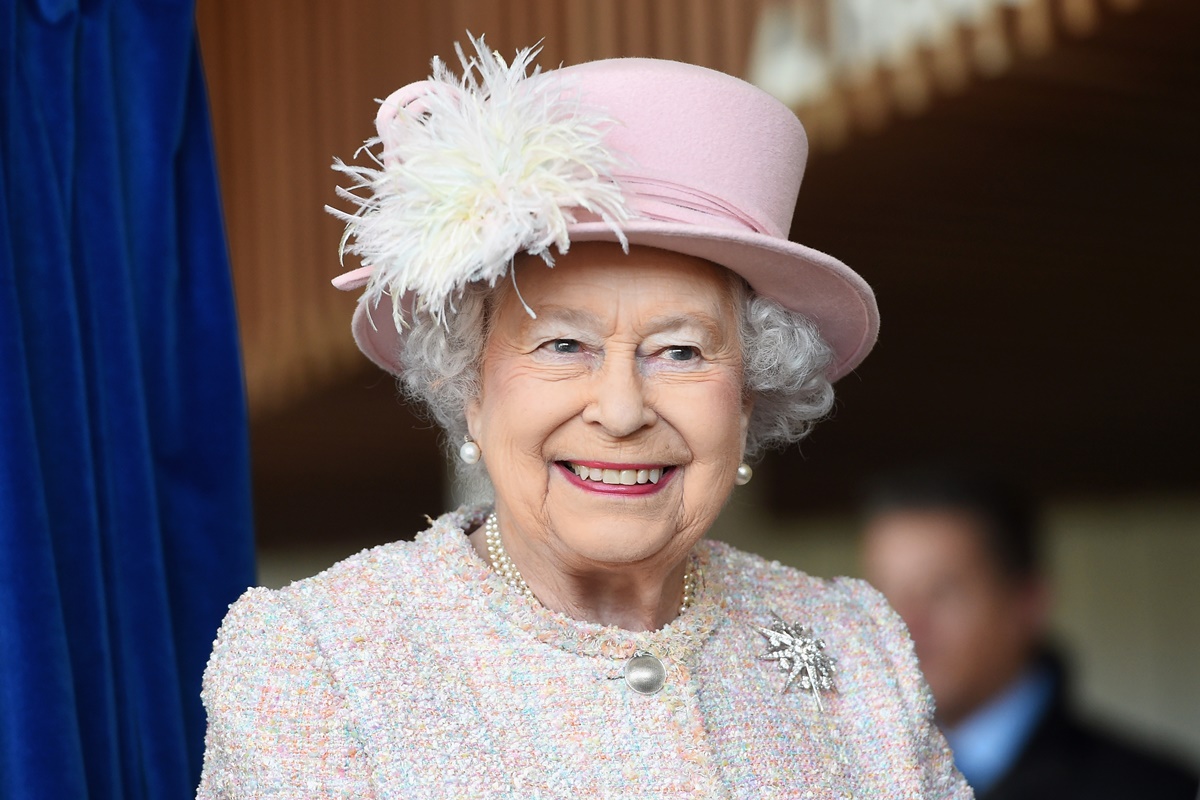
(577, 636)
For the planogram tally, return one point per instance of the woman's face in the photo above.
(631, 375)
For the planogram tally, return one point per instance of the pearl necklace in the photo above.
(500, 560)
(508, 570)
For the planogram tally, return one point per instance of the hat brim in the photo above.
(837, 300)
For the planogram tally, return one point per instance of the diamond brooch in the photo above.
(801, 655)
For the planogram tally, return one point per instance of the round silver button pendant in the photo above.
(644, 673)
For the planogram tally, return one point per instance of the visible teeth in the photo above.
(617, 477)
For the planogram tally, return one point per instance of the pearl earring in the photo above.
(469, 452)
(744, 474)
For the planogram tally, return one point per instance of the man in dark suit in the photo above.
(956, 555)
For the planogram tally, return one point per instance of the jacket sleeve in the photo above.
(930, 756)
(277, 725)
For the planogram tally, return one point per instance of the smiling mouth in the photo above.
(617, 477)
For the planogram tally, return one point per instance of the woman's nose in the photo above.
(618, 403)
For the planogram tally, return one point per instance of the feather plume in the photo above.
(473, 171)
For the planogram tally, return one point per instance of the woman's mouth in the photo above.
(620, 478)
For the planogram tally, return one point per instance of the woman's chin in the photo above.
(624, 524)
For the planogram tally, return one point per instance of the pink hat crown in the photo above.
(701, 147)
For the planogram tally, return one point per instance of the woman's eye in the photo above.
(680, 353)
(565, 346)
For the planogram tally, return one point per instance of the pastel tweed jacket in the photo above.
(414, 671)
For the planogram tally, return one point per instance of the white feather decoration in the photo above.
(476, 170)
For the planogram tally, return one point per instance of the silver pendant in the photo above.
(644, 673)
(801, 655)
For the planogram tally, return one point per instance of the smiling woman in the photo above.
(572, 633)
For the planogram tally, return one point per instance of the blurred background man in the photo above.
(956, 553)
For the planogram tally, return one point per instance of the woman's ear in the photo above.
(747, 413)
(472, 413)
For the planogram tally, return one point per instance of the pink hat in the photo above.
(705, 164)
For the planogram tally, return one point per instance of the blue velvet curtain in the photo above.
(124, 502)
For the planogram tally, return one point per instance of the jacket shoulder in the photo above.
(876, 677)
(268, 690)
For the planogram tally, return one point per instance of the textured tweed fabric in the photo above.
(412, 670)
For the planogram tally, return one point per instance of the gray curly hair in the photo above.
(784, 363)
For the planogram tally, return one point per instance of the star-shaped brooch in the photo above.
(801, 655)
